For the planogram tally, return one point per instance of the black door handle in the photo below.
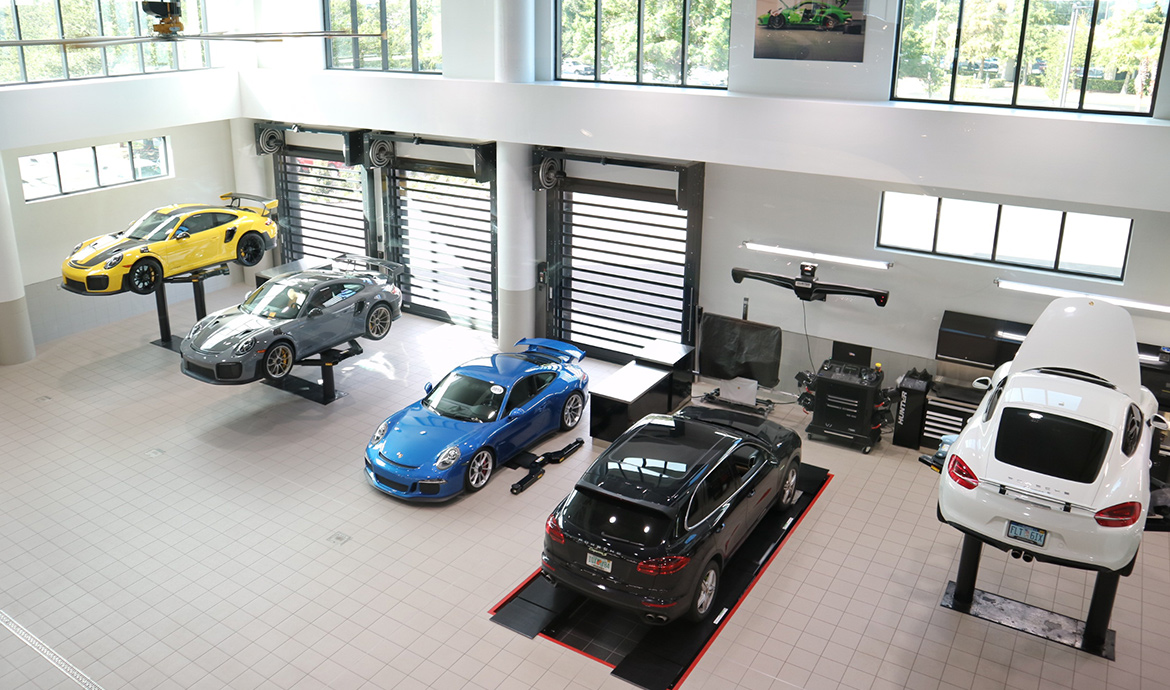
(719, 528)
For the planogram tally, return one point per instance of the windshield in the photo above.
(152, 227)
(466, 398)
(275, 301)
(1051, 444)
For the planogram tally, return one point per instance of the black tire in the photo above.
(572, 411)
(777, 21)
(378, 320)
(479, 470)
(787, 497)
(250, 249)
(278, 360)
(829, 23)
(144, 277)
(706, 589)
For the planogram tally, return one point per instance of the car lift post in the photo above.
(968, 569)
(196, 279)
(164, 316)
(1100, 611)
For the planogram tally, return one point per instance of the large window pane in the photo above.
(1028, 236)
(619, 40)
(430, 32)
(159, 56)
(926, 49)
(1094, 244)
(80, 18)
(9, 57)
(662, 34)
(369, 21)
(577, 39)
(908, 221)
(967, 228)
(38, 176)
(339, 17)
(1124, 56)
(990, 41)
(78, 170)
(150, 158)
(708, 26)
(39, 20)
(120, 18)
(193, 54)
(114, 164)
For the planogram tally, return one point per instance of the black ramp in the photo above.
(534, 607)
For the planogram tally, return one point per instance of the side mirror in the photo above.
(516, 413)
(182, 234)
(1159, 423)
(982, 383)
(315, 312)
(428, 388)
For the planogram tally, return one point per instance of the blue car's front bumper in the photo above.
(422, 484)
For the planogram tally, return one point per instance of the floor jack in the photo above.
(536, 470)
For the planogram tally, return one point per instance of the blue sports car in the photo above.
(481, 414)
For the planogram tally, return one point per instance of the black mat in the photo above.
(652, 657)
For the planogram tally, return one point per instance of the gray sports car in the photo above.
(291, 317)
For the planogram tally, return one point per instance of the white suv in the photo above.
(1054, 464)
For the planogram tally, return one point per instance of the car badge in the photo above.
(399, 455)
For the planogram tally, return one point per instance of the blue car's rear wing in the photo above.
(555, 348)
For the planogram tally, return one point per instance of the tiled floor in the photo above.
(158, 532)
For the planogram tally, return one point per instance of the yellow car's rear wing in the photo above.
(267, 206)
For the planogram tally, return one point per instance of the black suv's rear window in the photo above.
(598, 514)
(1050, 444)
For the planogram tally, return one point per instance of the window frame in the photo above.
(995, 260)
(165, 159)
(141, 28)
(1020, 70)
(639, 52)
(354, 45)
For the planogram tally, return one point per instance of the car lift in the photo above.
(536, 469)
(326, 391)
(196, 278)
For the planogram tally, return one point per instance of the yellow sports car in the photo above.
(169, 241)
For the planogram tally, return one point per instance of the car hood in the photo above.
(226, 328)
(100, 249)
(416, 435)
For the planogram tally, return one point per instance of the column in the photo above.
(16, 340)
(516, 234)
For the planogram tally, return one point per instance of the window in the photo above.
(1083, 55)
(411, 28)
(716, 488)
(45, 19)
(59, 173)
(1050, 444)
(527, 388)
(1061, 241)
(667, 42)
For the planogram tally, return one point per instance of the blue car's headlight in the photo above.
(448, 457)
(380, 432)
(114, 261)
(245, 346)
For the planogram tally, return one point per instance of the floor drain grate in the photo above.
(44, 650)
(337, 539)
(154, 452)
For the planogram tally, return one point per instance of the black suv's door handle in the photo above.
(719, 528)
(751, 493)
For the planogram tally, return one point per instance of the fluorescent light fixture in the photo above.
(814, 256)
(1018, 337)
(1058, 292)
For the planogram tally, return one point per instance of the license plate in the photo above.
(1032, 535)
(598, 562)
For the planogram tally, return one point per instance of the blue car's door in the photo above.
(535, 418)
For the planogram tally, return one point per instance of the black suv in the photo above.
(650, 525)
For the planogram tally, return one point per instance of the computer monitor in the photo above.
(852, 354)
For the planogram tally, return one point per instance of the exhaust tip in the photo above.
(1027, 558)
(1016, 553)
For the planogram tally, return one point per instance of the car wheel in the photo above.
(378, 321)
(278, 360)
(829, 23)
(705, 591)
(776, 21)
(572, 410)
(788, 487)
(479, 470)
(249, 250)
(144, 277)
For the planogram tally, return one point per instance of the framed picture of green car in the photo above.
(832, 30)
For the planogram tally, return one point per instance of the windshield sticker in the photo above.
(497, 390)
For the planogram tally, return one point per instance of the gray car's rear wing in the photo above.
(392, 267)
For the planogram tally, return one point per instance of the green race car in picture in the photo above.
(822, 16)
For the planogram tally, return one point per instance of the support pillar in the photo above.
(16, 339)
(516, 229)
